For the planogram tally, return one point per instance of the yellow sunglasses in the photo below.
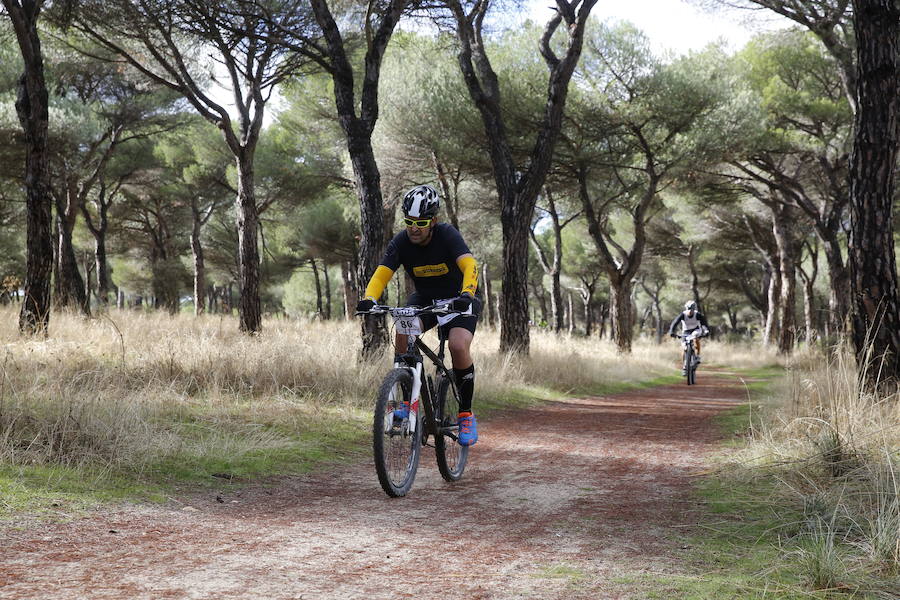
(416, 222)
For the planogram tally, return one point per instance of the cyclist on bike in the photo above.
(442, 267)
(691, 319)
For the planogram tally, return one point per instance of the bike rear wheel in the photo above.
(451, 457)
(396, 442)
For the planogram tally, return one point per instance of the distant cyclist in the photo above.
(442, 267)
(691, 320)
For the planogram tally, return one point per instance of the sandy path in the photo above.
(600, 490)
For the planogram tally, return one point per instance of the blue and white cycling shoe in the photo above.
(468, 431)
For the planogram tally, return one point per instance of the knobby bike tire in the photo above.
(689, 364)
(451, 457)
(396, 449)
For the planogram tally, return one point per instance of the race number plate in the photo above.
(408, 325)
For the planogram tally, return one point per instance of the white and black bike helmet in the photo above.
(690, 305)
(421, 202)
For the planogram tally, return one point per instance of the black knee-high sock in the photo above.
(465, 381)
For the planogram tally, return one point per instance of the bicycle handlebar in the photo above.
(436, 308)
(692, 335)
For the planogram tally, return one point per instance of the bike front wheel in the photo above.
(396, 442)
(690, 367)
(451, 456)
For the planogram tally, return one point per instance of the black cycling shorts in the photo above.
(428, 321)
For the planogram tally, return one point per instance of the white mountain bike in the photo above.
(691, 360)
(412, 406)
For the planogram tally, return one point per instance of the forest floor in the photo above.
(576, 499)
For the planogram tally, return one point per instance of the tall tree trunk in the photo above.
(552, 267)
(604, 317)
(315, 271)
(586, 300)
(488, 295)
(199, 265)
(772, 321)
(70, 285)
(101, 267)
(446, 192)
(350, 293)
(327, 292)
(782, 225)
(514, 330)
(657, 314)
(102, 263)
(98, 229)
(248, 246)
(809, 311)
(537, 289)
(839, 288)
(873, 266)
(518, 187)
(358, 132)
(32, 103)
(88, 267)
(621, 314)
(371, 243)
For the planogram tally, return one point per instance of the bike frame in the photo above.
(423, 385)
(688, 360)
(687, 345)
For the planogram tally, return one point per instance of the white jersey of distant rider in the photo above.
(689, 323)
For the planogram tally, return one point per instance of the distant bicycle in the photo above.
(690, 358)
(412, 406)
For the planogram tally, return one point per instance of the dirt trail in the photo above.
(600, 490)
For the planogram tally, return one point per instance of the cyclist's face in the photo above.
(418, 234)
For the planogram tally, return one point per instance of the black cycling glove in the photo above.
(461, 303)
(365, 305)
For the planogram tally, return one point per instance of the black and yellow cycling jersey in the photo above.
(443, 268)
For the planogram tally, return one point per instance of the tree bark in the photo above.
(315, 270)
(586, 291)
(327, 291)
(350, 293)
(32, 108)
(446, 192)
(514, 329)
(621, 314)
(772, 322)
(98, 230)
(552, 267)
(488, 295)
(782, 226)
(69, 283)
(199, 262)
(810, 311)
(873, 267)
(358, 131)
(838, 289)
(518, 188)
(248, 244)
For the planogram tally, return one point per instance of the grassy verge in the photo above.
(784, 523)
(140, 405)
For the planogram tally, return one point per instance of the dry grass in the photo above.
(131, 389)
(834, 448)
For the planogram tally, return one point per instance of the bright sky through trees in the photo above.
(676, 25)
